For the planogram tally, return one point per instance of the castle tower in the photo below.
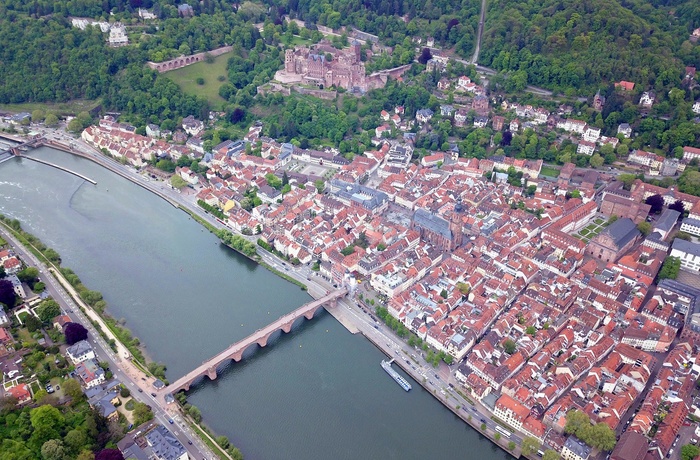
(289, 61)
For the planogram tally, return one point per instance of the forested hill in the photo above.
(453, 23)
(563, 44)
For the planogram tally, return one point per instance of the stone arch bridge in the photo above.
(184, 61)
(259, 337)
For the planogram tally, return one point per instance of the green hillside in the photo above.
(561, 44)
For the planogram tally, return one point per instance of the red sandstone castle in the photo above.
(344, 69)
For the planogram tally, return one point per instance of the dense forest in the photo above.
(451, 23)
(578, 45)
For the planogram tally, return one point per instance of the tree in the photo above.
(600, 436)
(86, 455)
(109, 454)
(142, 413)
(509, 346)
(425, 56)
(627, 180)
(32, 323)
(75, 126)
(530, 445)
(644, 227)
(48, 310)
(71, 388)
(670, 268)
(596, 161)
(28, 274)
(75, 440)
(47, 422)
(223, 441)
(678, 206)
(656, 202)
(531, 330)
(511, 445)
(75, 332)
(195, 413)
(550, 454)
(7, 293)
(689, 452)
(320, 185)
(38, 116)
(51, 120)
(576, 421)
(53, 449)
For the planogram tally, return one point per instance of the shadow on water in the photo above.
(242, 260)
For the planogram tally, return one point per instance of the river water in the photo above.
(316, 393)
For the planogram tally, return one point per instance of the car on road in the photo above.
(189, 442)
(140, 390)
(170, 421)
(153, 394)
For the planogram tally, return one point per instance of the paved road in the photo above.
(123, 369)
(480, 31)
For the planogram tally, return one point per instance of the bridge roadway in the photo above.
(260, 337)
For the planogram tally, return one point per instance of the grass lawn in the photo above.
(598, 221)
(548, 171)
(297, 40)
(186, 78)
(584, 232)
(25, 336)
(60, 108)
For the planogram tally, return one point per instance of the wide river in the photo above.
(317, 393)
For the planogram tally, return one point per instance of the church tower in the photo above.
(456, 224)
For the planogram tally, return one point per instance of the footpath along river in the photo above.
(315, 394)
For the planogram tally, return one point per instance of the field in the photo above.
(548, 171)
(186, 78)
(59, 108)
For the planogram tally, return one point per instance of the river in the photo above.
(316, 393)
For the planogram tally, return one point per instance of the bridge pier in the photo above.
(287, 327)
(211, 373)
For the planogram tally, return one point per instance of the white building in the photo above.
(585, 148)
(573, 126)
(690, 225)
(647, 99)
(688, 252)
(696, 107)
(625, 129)
(80, 351)
(591, 134)
(117, 35)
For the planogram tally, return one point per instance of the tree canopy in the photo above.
(75, 332)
